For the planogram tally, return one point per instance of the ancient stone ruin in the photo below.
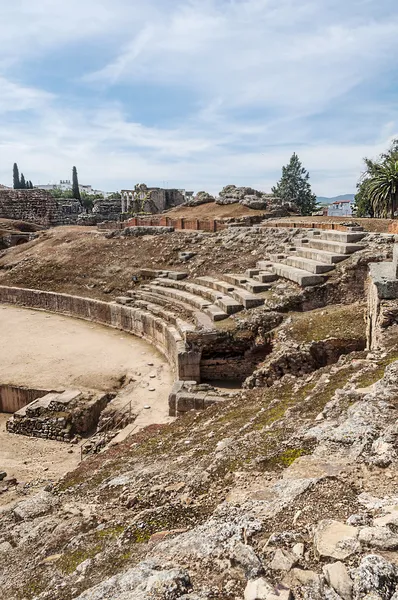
(274, 477)
(37, 206)
(59, 415)
(151, 200)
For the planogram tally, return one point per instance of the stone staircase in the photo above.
(187, 305)
(309, 262)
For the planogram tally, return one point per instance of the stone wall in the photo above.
(36, 206)
(382, 305)
(211, 225)
(184, 361)
(59, 415)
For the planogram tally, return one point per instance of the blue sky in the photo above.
(196, 93)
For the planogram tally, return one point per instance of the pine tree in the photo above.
(22, 183)
(17, 183)
(294, 186)
(75, 185)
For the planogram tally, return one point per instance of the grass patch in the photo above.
(70, 560)
(345, 322)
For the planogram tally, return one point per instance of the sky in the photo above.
(196, 94)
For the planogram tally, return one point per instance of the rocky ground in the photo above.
(288, 489)
(83, 261)
(285, 490)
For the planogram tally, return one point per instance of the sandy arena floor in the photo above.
(50, 351)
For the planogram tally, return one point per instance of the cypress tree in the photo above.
(17, 184)
(75, 185)
(22, 183)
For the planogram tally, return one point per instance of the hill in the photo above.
(326, 200)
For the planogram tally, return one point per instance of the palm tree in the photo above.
(383, 186)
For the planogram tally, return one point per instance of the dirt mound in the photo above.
(213, 211)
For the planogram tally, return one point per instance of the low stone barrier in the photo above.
(184, 361)
(306, 225)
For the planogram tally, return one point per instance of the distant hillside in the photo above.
(325, 200)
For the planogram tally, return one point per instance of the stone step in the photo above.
(251, 273)
(265, 265)
(215, 297)
(172, 293)
(253, 286)
(241, 295)
(182, 326)
(336, 247)
(320, 256)
(213, 311)
(265, 277)
(300, 276)
(345, 237)
(307, 264)
(200, 318)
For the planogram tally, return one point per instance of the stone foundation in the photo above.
(59, 415)
(187, 395)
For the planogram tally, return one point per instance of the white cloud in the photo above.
(264, 74)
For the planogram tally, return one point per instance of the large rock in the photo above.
(246, 196)
(36, 506)
(244, 555)
(378, 537)
(333, 539)
(141, 583)
(375, 575)
(200, 198)
(261, 589)
(283, 560)
(337, 577)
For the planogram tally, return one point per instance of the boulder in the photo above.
(337, 577)
(378, 537)
(261, 589)
(283, 560)
(244, 555)
(200, 198)
(255, 202)
(333, 539)
(375, 575)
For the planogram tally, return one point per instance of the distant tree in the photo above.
(22, 183)
(378, 186)
(57, 193)
(294, 186)
(17, 183)
(383, 188)
(75, 185)
(363, 201)
(115, 196)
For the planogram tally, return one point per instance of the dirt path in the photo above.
(50, 351)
